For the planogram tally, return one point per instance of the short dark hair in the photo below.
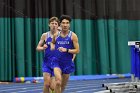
(67, 17)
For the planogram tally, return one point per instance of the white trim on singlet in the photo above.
(69, 34)
(48, 35)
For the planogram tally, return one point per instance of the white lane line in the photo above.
(70, 88)
(32, 86)
(82, 87)
(92, 82)
(27, 91)
(41, 90)
(88, 90)
(22, 88)
(17, 86)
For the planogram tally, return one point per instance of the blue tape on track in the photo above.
(82, 77)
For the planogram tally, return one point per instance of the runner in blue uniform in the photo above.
(49, 81)
(65, 45)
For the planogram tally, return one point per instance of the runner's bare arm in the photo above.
(41, 46)
(76, 45)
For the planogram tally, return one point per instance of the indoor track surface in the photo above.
(74, 86)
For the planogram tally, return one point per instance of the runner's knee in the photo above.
(58, 82)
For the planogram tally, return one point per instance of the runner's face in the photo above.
(65, 24)
(53, 25)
